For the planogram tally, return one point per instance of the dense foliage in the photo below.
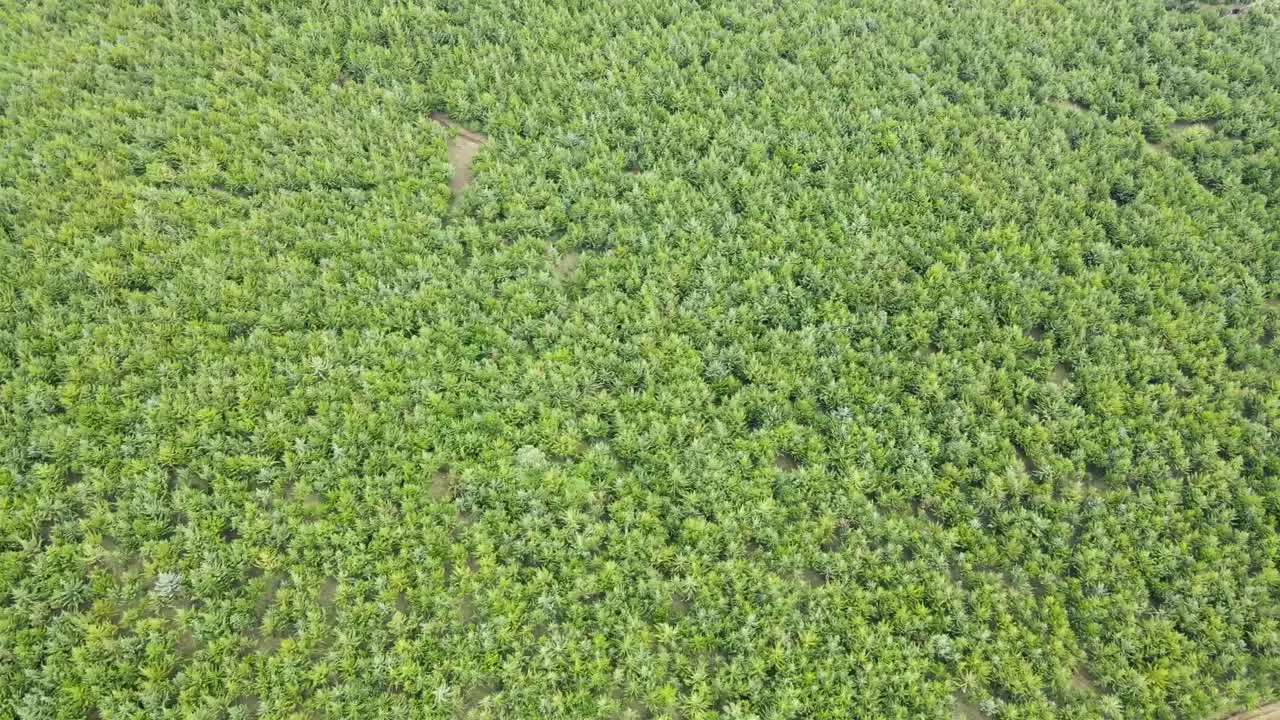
(784, 359)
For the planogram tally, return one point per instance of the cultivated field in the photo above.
(649, 359)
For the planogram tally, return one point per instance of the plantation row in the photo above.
(717, 358)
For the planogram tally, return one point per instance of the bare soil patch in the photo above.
(187, 645)
(1061, 374)
(441, 485)
(813, 578)
(268, 644)
(1230, 10)
(250, 704)
(1081, 681)
(1266, 712)
(328, 592)
(476, 696)
(462, 149)
(967, 710)
(1180, 127)
(678, 607)
(1069, 105)
(566, 265)
(632, 710)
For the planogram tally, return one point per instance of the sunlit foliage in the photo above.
(784, 359)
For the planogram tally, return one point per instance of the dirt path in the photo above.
(1266, 712)
(463, 146)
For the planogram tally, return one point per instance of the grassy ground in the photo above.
(781, 359)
